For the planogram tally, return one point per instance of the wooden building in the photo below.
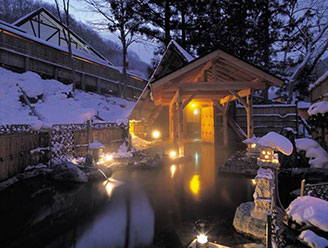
(319, 89)
(203, 87)
(36, 42)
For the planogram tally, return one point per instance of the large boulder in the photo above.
(69, 172)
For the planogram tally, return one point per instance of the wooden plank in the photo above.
(200, 74)
(225, 123)
(241, 93)
(180, 117)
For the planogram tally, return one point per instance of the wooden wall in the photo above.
(320, 92)
(268, 118)
(21, 54)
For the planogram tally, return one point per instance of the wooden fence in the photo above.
(22, 54)
(20, 146)
(268, 118)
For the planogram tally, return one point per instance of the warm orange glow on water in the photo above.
(173, 169)
(109, 187)
(195, 185)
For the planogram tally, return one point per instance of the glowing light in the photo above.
(109, 187)
(266, 156)
(202, 239)
(109, 157)
(193, 105)
(195, 185)
(173, 169)
(196, 158)
(253, 181)
(263, 152)
(173, 154)
(269, 153)
(156, 134)
(195, 112)
(253, 145)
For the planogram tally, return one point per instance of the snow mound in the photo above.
(96, 145)
(251, 140)
(277, 142)
(123, 152)
(312, 240)
(318, 108)
(309, 211)
(54, 102)
(318, 156)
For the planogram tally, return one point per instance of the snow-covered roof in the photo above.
(183, 52)
(318, 107)
(320, 79)
(277, 142)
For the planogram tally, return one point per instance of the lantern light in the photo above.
(109, 157)
(253, 145)
(156, 134)
(202, 239)
(193, 105)
(173, 154)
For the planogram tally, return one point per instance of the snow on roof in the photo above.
(320, 79)
(183, 52)
(27, 15)
(318, 107)
(53, 103)
(276, 141)
(309, 211)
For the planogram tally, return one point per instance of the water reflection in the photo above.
(195, 185)
(173, 169)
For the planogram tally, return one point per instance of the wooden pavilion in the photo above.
(210, 82)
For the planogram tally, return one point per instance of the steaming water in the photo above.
(152, 206)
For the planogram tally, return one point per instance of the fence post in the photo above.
(302, 187)
(268, 243)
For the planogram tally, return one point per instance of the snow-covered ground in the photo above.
(54, 106)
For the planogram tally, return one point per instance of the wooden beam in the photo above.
(186, 102)
(201, 72)
(180, 117)
(240, 99)
(229, 98)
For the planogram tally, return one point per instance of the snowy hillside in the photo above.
(53, 102)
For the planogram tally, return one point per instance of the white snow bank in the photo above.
(309, 211)
(122, 152)
(96, 145)
(276, 141)
(318, 107)
(318, 156)
(312, 240)
(54, 105)
(264, 173)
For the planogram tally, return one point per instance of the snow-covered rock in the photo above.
(96, 145)
(69, 172)
(312, 240)
(123, 152)
(310, 212)
(277, 142)
(318, 156)
(318, 107)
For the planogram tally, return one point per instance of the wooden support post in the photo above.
(225, 123)
(83, 82)
(180, 116)
(249, 111)
(56, 73)
(27, 63)
(98, 86)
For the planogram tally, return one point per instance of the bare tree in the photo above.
(307, 36)
(118, 17)
(67, 33)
